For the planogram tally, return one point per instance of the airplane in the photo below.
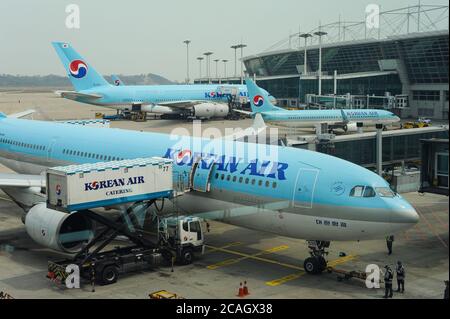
(201, 101)
(346, 119)
(116, 80)
(281, 190)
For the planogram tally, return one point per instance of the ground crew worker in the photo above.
(400, 270)
(389, 242)
(388, 276)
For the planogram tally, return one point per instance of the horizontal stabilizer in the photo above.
(21, 114)
(72, 95)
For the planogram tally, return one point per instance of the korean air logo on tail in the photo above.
(258, 100)
(78, 69)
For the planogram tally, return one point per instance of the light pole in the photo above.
(235, 47)
(217, 73)
(224, 68)
(239, 46)
(200, 67)
(305, 63)
(320, 34)
(187, 60)
(208, 65)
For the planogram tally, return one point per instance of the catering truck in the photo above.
(137, 184)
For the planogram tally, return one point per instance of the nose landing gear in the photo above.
(317, 263)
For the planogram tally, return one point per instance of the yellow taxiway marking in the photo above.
(244, 256)
(211, 249)
(333, 263)
(284, 279)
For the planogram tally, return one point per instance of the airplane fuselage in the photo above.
(310, 118)
(291, 192)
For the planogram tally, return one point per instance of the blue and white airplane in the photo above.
(199, 101)
(286, 191)
(346, 119)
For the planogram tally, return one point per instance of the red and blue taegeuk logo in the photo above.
(258, 100)
(78, 69)
(58, 189)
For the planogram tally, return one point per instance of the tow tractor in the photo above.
(78, 190)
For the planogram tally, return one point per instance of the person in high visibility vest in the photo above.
(400, 270)
(388, 276)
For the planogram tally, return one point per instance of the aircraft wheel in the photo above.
(314, 265)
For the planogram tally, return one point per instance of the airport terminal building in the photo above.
(412, 68)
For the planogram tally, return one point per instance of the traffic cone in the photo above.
(241, 291)
(246, 289)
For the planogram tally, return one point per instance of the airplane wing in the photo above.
(182, 104)
(21, 180)
(243, 112)
(21, 114)
(72, 95)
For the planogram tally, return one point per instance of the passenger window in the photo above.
(267, 183)
(240, 179)
(253, 182)
(234, 178)
(228, 178)
(222, 177)
(246, 181)
(260, 183)
(274, 184)
(217, 175)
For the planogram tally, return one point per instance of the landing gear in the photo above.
(317, 263)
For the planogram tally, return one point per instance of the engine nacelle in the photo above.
(350, 127)
(57, 230)
(209, 110)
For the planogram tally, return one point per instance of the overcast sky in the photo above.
(141, 36)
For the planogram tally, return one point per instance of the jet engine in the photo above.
(210, 110)
(59, 231)
(350, 127)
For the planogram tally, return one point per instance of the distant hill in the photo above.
(56, 81)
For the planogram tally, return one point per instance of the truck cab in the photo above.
(184, 235)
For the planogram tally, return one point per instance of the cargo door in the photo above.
(201, 175)
(304, 187)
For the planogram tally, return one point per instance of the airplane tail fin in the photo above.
(82, 75)
(259, 100)
(116, 80)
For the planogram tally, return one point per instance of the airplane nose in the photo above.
(405, 214)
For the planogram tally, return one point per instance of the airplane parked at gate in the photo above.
(286, 191)
(346, 119)
(198, 101)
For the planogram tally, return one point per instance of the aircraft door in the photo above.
(201, 175)
(304, 187)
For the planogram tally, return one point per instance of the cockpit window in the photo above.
(357, 191)
(385, 192)
(362, 191)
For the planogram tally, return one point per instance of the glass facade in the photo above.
(290, 88)
(424, 58)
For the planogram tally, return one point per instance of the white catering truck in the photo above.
(77, 189)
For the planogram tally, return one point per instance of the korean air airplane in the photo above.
(346, 119)
(198, 101)
(280, 190)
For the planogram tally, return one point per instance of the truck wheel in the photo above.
(109, 275)
(186, 256)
